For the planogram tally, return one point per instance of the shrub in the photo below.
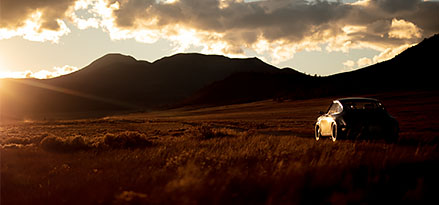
(130, 197)
(11, 146)
(37, 139)
(77, 143)
(205, 132)
(127, 139)
(122, 140)
(69, 144)
(17, 140)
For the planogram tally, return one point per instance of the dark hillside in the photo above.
(252, 86)
(411, 70)
(117, 82)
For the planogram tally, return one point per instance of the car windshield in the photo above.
(362, 105)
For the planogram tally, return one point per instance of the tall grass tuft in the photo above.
(126, 140)
(206, 132)
(18, 140)
(68, 144)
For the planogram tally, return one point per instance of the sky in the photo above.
(48, 38)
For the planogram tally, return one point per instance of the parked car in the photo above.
(353, 118)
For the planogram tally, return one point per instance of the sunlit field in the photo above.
(256, 153)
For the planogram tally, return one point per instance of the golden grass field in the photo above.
(255, 153)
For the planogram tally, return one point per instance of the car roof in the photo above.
(356, 99)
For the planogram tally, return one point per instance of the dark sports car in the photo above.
(353, 118)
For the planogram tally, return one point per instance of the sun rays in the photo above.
(37, 84)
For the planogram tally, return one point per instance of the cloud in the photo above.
(364, 62)
(349, 64)
(390, 53)
(41, 74)
(387, 54)
(274, 28)
(277, 28)
(14, 12)
(33, 29)
(404, 30)
(33, 20)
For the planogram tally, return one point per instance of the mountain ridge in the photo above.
(120, 82)
(125, 80)
(403, 72)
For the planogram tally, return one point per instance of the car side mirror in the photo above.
(321, 113)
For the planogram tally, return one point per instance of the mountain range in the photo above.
(412, 70)
(117, 82)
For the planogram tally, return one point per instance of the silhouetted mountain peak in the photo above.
(216, 66)
(112, 58)
(112, 64)
(194, 57)
(187, 58)
(118, 56)
(254, 60)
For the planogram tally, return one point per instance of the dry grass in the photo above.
(126, 140)
(69, 144)
(205, 132)
(257, 169)
(259, 153)
(121, 140)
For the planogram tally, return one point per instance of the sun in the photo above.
(5, 73)
(2, 71)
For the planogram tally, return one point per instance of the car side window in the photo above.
(339, 108)
(335, 108)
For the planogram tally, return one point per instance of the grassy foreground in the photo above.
(257, 153)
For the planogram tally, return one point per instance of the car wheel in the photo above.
(317, 133)
(334, 132)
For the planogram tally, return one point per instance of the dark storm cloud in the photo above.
(288, 20)
(286, 17)
(396, 5)
(234, 25)
(423, 14)
(13, 13)
(426, 16)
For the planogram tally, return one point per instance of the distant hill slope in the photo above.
(413, 69)
(248, 87)
(118, 82)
